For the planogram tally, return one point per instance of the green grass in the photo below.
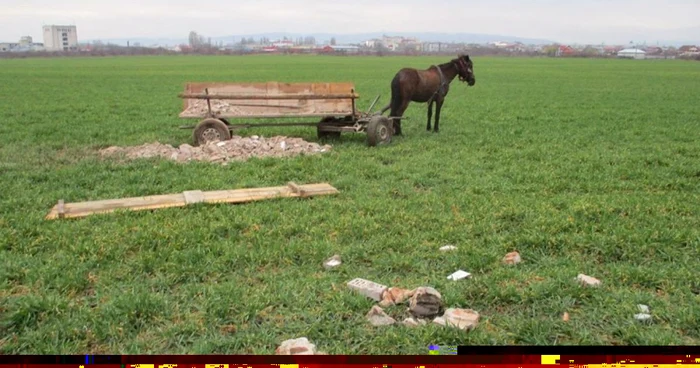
(583, 166)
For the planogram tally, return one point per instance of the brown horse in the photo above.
(430, 85)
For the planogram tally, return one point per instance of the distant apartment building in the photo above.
(60, 38)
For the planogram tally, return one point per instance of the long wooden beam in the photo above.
(82, 209)
(204, 96)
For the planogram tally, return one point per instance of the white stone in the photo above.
(464, 319)
(412, 322)
(300, 346)
(642, 317)
(587, 280)
(512, 258)
(447, 248)
(377, 317)
(643, 308)
(332, 262)
(368, 288)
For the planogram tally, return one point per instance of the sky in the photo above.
(571, 21)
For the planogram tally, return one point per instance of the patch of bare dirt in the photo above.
(236, 149)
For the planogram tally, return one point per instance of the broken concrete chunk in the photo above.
(426, 302)
(448, 248)
(587, 280)
(300, 346)
(394, 295)
(368, 288)
(440, 321)
(459, 275)
(332, 262)
(412, 322)
(377, 317)
(464, 319)
(512, 258)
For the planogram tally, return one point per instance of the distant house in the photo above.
(689, 51)
(632, 54)
(688, 48)
(654, 50)
(611, 50)
(340, 49)
(564, 50)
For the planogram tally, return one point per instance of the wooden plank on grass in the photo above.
(82, 209)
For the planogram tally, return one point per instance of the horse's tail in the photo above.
(395, 95)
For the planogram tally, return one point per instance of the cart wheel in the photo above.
(324, 133)
(209, 130)
(379, 131)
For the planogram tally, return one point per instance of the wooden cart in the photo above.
(334, 103)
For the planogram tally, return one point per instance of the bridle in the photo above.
(462, 68)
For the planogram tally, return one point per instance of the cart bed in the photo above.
(269, 100)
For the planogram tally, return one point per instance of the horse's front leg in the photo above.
(438, 107)
(430, 114)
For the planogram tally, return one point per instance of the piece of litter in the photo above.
(565, 317)
(377, 317)
(643, 308)
(642, 317)
(332, 262)
(512, 258)
(448, 248)
(459, 275)
(587, 280)
(368, 288)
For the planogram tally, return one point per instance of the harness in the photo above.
(441, 88)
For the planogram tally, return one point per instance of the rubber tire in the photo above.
(379, 131)
(217, 125)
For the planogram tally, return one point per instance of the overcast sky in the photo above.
(582, 21)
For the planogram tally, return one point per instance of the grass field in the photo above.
(583, 166)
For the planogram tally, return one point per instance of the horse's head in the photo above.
(465, 69)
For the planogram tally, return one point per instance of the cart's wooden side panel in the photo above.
(267, 108)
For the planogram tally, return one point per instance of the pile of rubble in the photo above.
(236, 149)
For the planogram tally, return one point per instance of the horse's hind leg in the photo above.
(399, 113)
(430, 114)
